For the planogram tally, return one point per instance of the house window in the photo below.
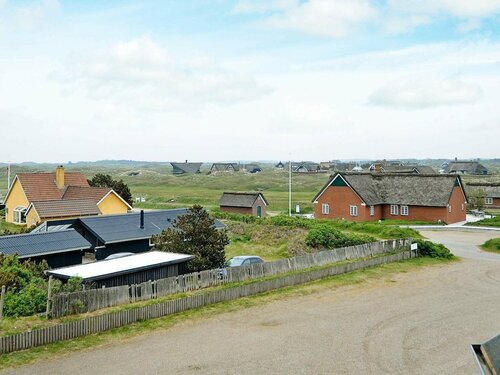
(353, 210)
(325, 208)
(404, 210)
(394, 209)
(20, 215)
(449, 208)
(463, 206)
(372, 210)
(488, 200)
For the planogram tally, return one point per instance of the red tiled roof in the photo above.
(77, 192)
(42, 186)
(66, 208)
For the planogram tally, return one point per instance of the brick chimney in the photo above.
(60, 177)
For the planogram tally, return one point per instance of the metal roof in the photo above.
(37, 244)
(126, 227)
(115, 267)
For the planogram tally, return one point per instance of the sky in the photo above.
(238, 80)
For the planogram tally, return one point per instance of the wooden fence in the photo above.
(95, 299)
(100, 323)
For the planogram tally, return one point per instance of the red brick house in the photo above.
(244, 203)
(375, 196)
(489, 191)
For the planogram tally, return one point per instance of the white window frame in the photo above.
(353, 210)
(17, 215)
(404, 210)
(372, 210)
(394, 209)
(488, 200)
(449, 208)
(325, 208)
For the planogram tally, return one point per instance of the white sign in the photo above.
(414, 246)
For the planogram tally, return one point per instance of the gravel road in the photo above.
(420, 322)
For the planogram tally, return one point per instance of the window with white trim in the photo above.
(449, 208)
(372, 210)
(488, 200)
(325, 208)
(353, 210)
(394, 209)
(463, 206)
(19, 215)
(404, 210)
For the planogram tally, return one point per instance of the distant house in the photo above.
(280, 165)
(244, 203)
(252, 168)
(305, 167)
(185, 168)
(403, 168)
(490, 193)
(465, 167)
(375, 196)
(59, 249)
(224, 167)
(36, 197)
(132, 269)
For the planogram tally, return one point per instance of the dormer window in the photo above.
(19, 214)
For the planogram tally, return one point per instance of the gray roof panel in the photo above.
(119, 228)
(37, 244)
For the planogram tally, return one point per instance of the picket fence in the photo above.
(95, 299)
(100, 323)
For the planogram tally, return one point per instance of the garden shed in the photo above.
(244, 203)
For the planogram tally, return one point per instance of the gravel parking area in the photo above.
(420, 322)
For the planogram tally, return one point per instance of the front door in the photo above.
(259, 211)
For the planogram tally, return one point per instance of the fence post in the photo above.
(2, 297)
(49, 297)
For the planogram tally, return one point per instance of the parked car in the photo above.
(242, 260)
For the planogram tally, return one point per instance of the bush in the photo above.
(433, 250)
(325, 237)
(30, 300)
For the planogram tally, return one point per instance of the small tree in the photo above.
(476, 198)
(195, 234)
(120, 187)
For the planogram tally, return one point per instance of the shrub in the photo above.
(325, 237)
(29, 300)
(433, 250)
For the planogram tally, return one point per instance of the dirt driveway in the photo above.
(420, 322)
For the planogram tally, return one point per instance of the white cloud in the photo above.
(142, 74)
(32, 15)
(263, 6)
(420, 93)
(405, 15)
(331, 18)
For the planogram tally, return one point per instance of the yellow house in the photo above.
(36, 197)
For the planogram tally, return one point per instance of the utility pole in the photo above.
(8, 176)
(290, 187)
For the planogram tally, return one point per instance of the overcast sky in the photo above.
(249, 80)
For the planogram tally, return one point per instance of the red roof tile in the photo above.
(42, 186)
(77, 192)
(66, 208)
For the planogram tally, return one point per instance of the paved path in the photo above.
(419, 322)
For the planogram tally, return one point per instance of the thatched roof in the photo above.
(469, 167)
(394, 188)
(247, 200)
(490, 189)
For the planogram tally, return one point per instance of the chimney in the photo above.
(186, 161)
(60, 177)
(142, 219)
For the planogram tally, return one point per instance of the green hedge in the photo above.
(433, 250)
